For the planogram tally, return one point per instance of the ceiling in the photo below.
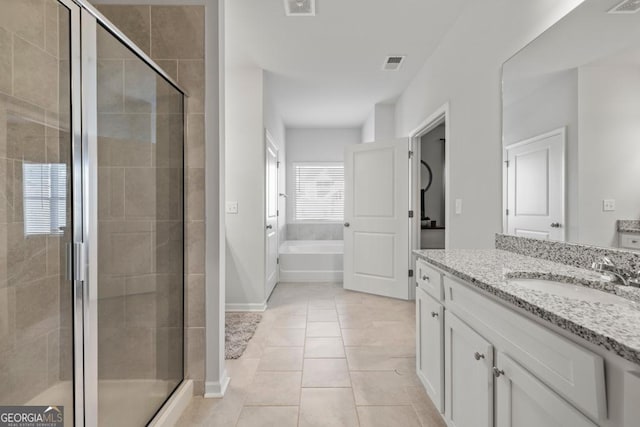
(326, 70)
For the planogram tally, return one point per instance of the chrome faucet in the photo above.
(608, 268)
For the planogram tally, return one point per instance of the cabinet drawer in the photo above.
(630, 241)
(429, 280)
(570, 370)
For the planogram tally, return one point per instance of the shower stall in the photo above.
(91, 218)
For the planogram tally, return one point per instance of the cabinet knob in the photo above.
(497, 372)
(555, 225)
(478, 356)
(434, 314)
(426, 278)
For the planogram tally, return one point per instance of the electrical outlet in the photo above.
(232, 207)
(608, 205)
(458, 206)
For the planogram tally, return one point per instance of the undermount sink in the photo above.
(567, 290)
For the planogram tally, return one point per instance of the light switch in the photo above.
(458, 206)
(609, 205)
(232, 207)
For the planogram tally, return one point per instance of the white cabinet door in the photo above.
(524, 401)
(430, 346)
(376, 215)
(468, 376)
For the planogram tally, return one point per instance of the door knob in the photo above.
(269, 227)
(497, 372)
(434, 314)
(346, 224)
(478, 356)
(426, 278)
(555, 225)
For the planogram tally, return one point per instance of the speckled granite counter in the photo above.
(628, 226)
(615, 327)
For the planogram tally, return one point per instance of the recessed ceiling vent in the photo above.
(300, 7)
(393, 63)
(627, 6)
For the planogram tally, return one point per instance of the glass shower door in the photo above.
(140, 235)
(36, 195)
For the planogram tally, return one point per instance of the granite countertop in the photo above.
(629, 226)
(614, 326)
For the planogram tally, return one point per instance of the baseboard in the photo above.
(246, 307)
(217, 389)
(170, 413)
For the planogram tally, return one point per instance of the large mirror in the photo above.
(571, 129)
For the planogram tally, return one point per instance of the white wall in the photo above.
(315, 145)
(609, 98)
(244, 177)
(465, 71)
(381, 123)
(549, 103)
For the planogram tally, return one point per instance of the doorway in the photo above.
(431, 185)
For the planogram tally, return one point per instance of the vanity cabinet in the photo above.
(429, 346)
(468, 375)
(484, 364)
(522, 400)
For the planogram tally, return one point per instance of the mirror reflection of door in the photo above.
(535, 187)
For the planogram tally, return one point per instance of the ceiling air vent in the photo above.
(627, 6)
(393, 63)
(300, 7)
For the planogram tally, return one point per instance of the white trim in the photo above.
(171, 411)
(562, 132)
(439, 116)
(152, 2)
(254, 307)
(217, 389)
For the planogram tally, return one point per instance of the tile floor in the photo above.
(323, 356)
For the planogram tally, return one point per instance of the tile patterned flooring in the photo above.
(323, 356)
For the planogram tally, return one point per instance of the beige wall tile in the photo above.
(52, 39)
(126, 353)
(37, 79)
(25, 18)
(195, 352)
(195, 306)
(170, 66)
(134, 128)
(6, 66)
(195, 141)
(195, 194)
(177, 32)
(140, 191)
(195, 247)
(130, 252)
(191, 77)
(139, 87)
(134, 21)
(110, 86)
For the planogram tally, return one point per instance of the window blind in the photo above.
(44, 198)
(319, 192)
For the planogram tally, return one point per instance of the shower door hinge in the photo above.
(76, 265)
(410, 273)
(410, 154)
(410, 214)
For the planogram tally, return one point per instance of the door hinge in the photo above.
(410, 273)
(277, 164)
(278, 260)
(410, 154)
(410, 214)
(277, 212)
(506, 163)
(507, 212)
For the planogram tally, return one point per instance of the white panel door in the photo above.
(524, 401)
(271, 216)
(430, 346)
(376, 211)
(468, 375)
(535, 187)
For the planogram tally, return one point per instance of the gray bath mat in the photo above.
(239, 328)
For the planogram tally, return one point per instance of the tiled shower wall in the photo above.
(173, 36)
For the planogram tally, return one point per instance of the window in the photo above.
(319, 192)
(45, 198)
